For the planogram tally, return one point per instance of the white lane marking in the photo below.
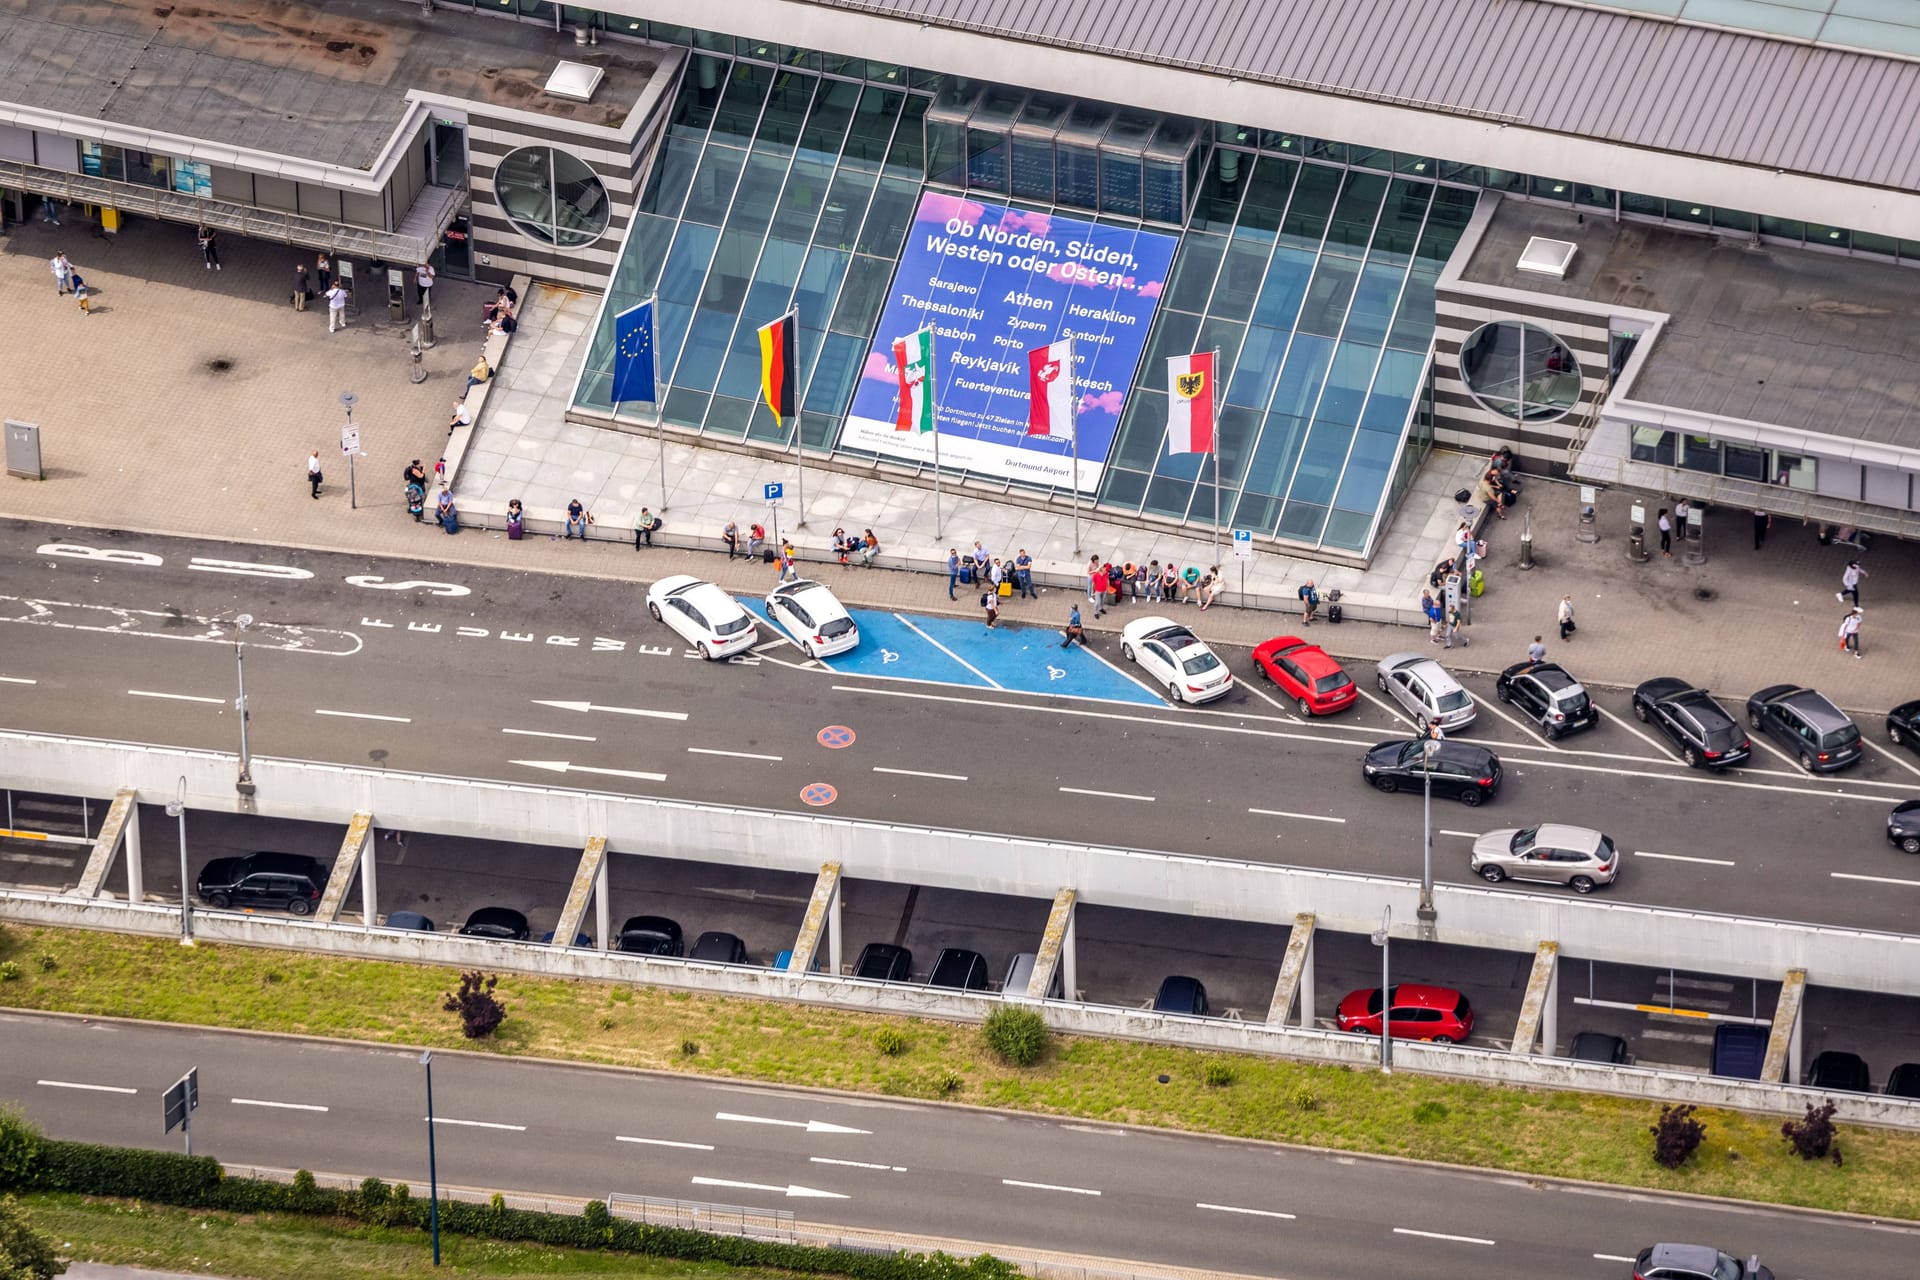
(1234, 1208)
(542, 733)
(1613, 1257)
(1440, 1235)
(91, 1088)
(1105, 795)
(774, 643)
(247, 568)
(738, 755)
(1308, 817)
(1048, 1186)
(790, 1191)
(1122, 672)
(1252, 686)
(284, 1106)
(363, 715)
(616, 711)
(1899, 759)
(17, 680)
(1626, 722)
(1681, 857)
(1760, 741)
(374, 582)
(859, 1164)
(663, 1142)
(1693, 776)
(175, 697)
(811, 1126)
(477, 1124)
(564, 766)
(1464, 835)
(1837, 875)
(916, 773)
(902, 620)
(1533, 732)
(37, 859)
(1393, 709)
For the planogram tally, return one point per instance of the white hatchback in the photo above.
(815, 619)
(705, 616)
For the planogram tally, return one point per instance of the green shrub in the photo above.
(1430, 1112)
(1217, 1073)
(1305, 1100)
(304, 1186)
(951, 1082)
(1018, 1035)
(497, 1203)
(25, 1254)
(19, 1148)
(689, 1048)
(9, 970)
(606, 1022)
(46, 962)
(891, 1041)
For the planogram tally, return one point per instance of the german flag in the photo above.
(779, 365)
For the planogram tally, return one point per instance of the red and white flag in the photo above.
(1050, 390)
(1190, 403)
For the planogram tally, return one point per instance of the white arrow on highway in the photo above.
(618, 711)
(789, 1191)
(811, 1126)
(564, 766)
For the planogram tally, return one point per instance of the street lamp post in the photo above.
(1427, 913)
(1382, 940)
(245, 783)
(433, 1170)
(177, 808)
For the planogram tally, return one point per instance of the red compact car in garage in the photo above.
(1419, 1013)
(1314, 681)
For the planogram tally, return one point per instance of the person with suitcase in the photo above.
(516, 521)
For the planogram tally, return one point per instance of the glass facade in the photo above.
(552, 196)
(1520, 371)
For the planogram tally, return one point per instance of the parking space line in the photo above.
(1532, 731)
(1307, 817)
(985, 679)
(1612, 1257)
(1898, 759)
(1681, 857)
(1441, 1235)
(1252, 685)
(1234, 1208)
(1837, 875)
(918, 773)
(1626, 722)
(174, 697)
(1393, 711)
(1120, 671)
(363, 715)
(738, 755)
(17, 680)
(1105, 795)
(1464, 835)
(1048, 1186)
(1759, 741)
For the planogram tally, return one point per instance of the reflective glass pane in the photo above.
(729, 416)
(1267, 194)
(1032, 172)
(705, 349)
(888, 217)
(1222, 184)
(1274, 454)
(668, 185)
(1368, 467)
(1168, 495)
(1355, 214)
(1120, 183)
(1346, 530)
(712, 187)
(830, 389)
(826, 127)
(1347, 383)
(1240, 279)
(1327, 296)
(685, 407)
(1193, 272)
(1313, 196)
(687, 263)
(785, 112)
(1076, 175)
(1258, 367)
(1401, 219)
(1143, 424)
(799, 205)
(846, 208)
(862, 296)
(739, 111)
(820, 284)
(1173, 335)
(1234, 432)
(1285, 288)
(755, 198)
(1163, 190)
(700, 94)
(907, 155)
(872, 127)
(1302, 521)
(1305, 373)
(1122, 488)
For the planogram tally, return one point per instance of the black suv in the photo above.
(1811, 729)
(1549, 695)
(1462, 771)
(959, 968)
(291, 881)
(1708, 737)
(884, 962)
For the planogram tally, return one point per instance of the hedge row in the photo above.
(199, 1182)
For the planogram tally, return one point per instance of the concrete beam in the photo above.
(345, 863)
(107, 845)
(1056, 943)
(586, 880)
(1296, 975)
(1783, 1043)
(826, 896)
(1534, 1005)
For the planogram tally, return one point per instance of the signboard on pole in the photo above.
(775, 491)
(349, 440)
(1243, 544)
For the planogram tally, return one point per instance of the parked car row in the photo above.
(718, 626)
(1740, 1052)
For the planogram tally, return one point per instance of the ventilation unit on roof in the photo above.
(574, 80)
(1548, 257)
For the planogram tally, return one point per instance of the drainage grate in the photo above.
(220, 365)
(1704, 593)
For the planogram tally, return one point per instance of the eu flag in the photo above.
(633, 354)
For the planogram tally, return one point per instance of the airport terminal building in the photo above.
(1659, 243)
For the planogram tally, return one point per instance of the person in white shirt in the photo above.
(1850, 583)
(336, 308)
(1850, 631)
(462, 416)
(422, 282)
(62, 273)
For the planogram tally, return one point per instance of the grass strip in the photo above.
(284, 1246)
(1561, 1134)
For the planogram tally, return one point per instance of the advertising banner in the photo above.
(994, 283)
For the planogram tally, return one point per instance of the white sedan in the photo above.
(705, 616)
(815, 619)
(1176, 659)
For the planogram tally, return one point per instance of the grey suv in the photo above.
(1806, 726)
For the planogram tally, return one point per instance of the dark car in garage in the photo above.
(959, 968)
(1706, 734)
(287, 881)
(1181, 994)
(1840, 1070)
(884, 962)
(718, 947)
(651, 936)
(1462, 771)
(503, 924)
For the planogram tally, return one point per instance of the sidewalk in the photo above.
(141, 431)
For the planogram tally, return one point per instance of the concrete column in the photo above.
(1055, 959)
(835, 938)
(369, 884)
(1794, 1065)
(823, 916)
(601, 908)
(588, 875)
(1537, 1004)
(1306, 987)
(1783, 1042)
(356, 853)
(1550, 1013)
(1070, 961)
(136, 874)
(1293, 966)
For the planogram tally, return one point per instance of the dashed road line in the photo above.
(859, 1164)
(283, 1106)
(1464, 835)
(1048, 1186)
(17, 680)
(1305, 817)
(476, 1124)
(1441, 1235)
(542, 733)
(918, 773)
(617, 711)
(1848, 875)
(738, 755)
(363, 715)
(90, 1088)
(175, 697)
(1105, 795)
(1681, 857)
(665, 1142)
(1234, 1208)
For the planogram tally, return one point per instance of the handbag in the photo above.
(1006, 588)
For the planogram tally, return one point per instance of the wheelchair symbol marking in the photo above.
(1055, 673)
(888, 655)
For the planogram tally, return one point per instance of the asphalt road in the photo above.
(497, 674)
(945, 1171)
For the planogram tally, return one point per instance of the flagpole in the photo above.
(1073, 435)
(933, 402)
(659, 413)
(1211, 392)
(799, 449)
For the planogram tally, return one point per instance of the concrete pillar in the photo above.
(1070, 960)
(823, 912)
(1550, 1012)
(1783, 1045)
(1306, 987)
(587, 876)
(369, 884)
(602, 925)
(1055, 959)
(106, 847)
(136, 874)
(1535, 1004)
(1293, 966)
(355, 854)
(835, 938)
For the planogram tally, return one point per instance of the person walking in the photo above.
(1074, 633)
(1566, 617)
(50, 210)
(336, 308)
(1761, 523)
(990, 603)
(414, 477)
(323, 270)
(62, 274)
(422, 283)
(1537, 651)
(953, 570)
(789, 569)
(1455, 621)
(1850, 631)
(313, 472)
(731, 536)
(1665, 524)
(209, 247)
(1023, 574)
(82, 295)
(1309, 601)
(302, 287)
(1436, 617)
(1850, 582)
(577, 518)
(643, 526)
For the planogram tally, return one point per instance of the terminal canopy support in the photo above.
(1057, 951)
(1783, 1044)
(123, 819)
(1296, 975)
(823, 913)
(589, 881)
(356, 849)
(1539, 1008)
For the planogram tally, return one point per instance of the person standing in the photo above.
(62, 274)
(81, 294)
(1309, 601)
(302, 287)
(323, 269)
(1566, 617)
(1097, 587)
(1850, 582)
(1537, 651)
(1436, 617)
(1023, 574)
(313, 472)
(209, 247)
(731, 536)
(1665, 524)
(415, 480)
(516, 521)
(422, 283)
(996, 574)
(1761, 523)
(990, 603)
(336, 308)
(1075, 633)
(1680, 512)
(1850, 631)
(50, 210)
(643, 527)
(953, 570)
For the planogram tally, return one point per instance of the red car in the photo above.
(1440, 1014)
(1313, 680)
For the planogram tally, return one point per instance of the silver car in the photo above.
(1427, 691)
(1552, 853)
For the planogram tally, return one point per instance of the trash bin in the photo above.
(1637, 545)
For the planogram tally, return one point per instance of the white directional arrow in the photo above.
(618, 711)
(563, 766)
(811, 1126)
(789, 1191)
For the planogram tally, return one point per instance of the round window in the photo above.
(552, 196)
(1520, 371)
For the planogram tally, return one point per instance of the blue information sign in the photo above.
(775, 491)
(994, 283)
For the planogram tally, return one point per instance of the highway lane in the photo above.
(944, 1170)
(543, 683)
